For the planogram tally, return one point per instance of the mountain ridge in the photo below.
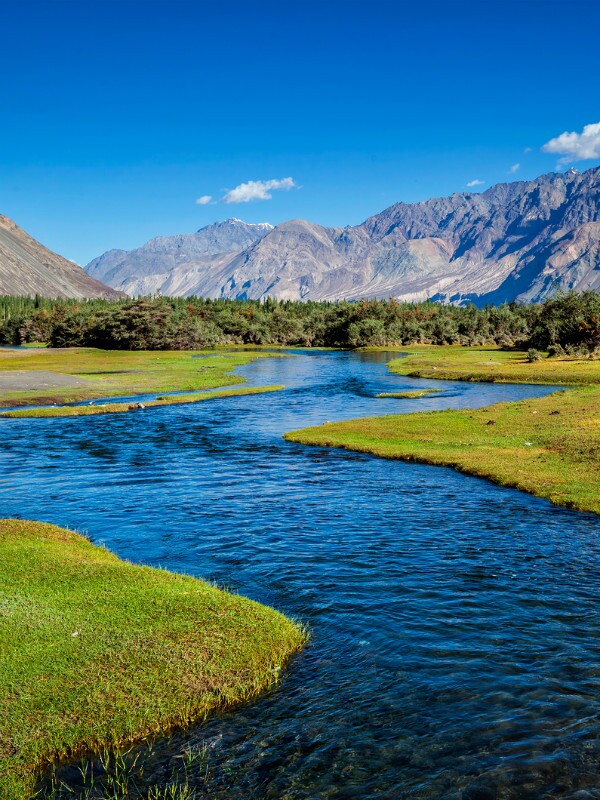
(518, 240)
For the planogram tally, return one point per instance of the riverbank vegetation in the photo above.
(116, 373)
(548, 446)
(96, 652)
(567, 323)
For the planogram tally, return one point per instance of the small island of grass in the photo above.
(96, 652)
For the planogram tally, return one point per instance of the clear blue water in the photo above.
(455, 632)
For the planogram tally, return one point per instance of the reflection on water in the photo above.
(455, 629)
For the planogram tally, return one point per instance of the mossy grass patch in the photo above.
(96, 652)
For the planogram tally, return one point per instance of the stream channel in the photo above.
(455, 629)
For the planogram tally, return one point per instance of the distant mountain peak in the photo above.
(237, 223)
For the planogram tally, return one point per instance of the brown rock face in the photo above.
(29, 268)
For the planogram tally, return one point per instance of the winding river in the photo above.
(455, 630)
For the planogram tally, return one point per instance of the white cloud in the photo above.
(256, 190)
(528, 150)
(576, 146)
(204, 200)
(515, 168)
(476, 182)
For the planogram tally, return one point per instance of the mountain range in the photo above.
(29, 268)
(516, 241)
(521, 241)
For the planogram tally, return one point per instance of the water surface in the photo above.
(454, 624)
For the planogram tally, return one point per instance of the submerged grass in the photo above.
(96, 652)
(118, 408)
(548, 446)
(111, 373)
(122, 776)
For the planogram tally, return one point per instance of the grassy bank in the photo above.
(119, 408)
(492, 365)
(548, 446)
(114, 373)
(96, 652)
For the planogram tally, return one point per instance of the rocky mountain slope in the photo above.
(175, 265)
(29, 268)
(515, 241)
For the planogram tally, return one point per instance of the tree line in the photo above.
(567, 323)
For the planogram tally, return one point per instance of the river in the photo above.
(455, 631)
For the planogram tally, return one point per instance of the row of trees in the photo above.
(11, 306)
(567, 323)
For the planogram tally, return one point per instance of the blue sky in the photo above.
(116, 116)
